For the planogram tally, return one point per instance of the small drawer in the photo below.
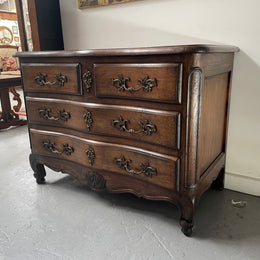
(151, 82)
(53, 78)
(151, 167)
(147, 125)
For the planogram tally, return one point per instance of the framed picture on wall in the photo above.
(95, 3)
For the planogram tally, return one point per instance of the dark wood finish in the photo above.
(16, 97)
(46, 24)
(182, 49)
(8, 116)
(71, 71)
(21, 23)
(83, 135)
(106, 153)
(34, 25)
(103, 116)
(168, 81)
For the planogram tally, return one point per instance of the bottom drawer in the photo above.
(148, 166)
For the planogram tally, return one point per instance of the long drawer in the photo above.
(153, 126)
(151, 167)
(53, 78)
(159, 82)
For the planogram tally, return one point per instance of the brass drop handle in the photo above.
(146, 128)
(62, 114)
(146, 169)
(41, 79)
(49, 146)
(146, 84)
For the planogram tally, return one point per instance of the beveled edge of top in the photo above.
(177, 49)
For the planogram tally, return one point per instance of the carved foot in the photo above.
(186, 227)
(39, 178)
(38, 168)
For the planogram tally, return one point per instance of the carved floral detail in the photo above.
(95, 181)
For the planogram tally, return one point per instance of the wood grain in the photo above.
(71, 71)
(102, 117)
(168, 78)
(106, 153)
(189, 108)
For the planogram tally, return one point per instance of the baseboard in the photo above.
(242, 183)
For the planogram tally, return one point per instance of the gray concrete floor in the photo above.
(64, 220)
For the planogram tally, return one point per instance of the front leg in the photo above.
(186, 226)
(38, 168)
(186, 209)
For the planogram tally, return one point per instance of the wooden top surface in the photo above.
(178, 49)
(10, 81)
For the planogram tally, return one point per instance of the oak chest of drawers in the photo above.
(149, 121)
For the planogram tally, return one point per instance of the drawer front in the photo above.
(150, 82)
(152, 126)
(53, 78)
(150, 167)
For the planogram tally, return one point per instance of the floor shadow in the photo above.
(123, 200)
(215, 218)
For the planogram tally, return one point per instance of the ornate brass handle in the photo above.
(62, 114)
(146, 128)
(49, 146)
(146, 169)
(87, 79)
(41, 80)
(88, 119)
(146, 84)
(91, 155)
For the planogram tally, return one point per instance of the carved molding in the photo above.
(193, 111)
(95, 181)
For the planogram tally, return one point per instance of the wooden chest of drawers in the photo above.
(149, 121)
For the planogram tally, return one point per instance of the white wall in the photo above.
(169, 22)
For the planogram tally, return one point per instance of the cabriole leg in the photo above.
(38, 168)
(186, 220)
(186, 227)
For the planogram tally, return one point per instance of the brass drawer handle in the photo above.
(41, 80)
(49, 146)
(146, 84)
(87, 79)
(146, 169)
(146, 128)
(62, 114)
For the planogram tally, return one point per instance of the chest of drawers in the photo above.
(149, 121)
